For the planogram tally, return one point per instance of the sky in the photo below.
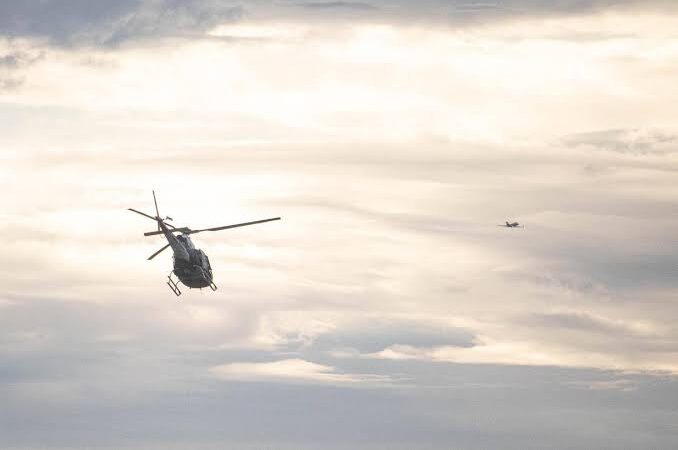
(386, 310)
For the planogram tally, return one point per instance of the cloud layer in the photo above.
(386, 309)
(109, 23)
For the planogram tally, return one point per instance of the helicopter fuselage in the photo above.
(192, 266)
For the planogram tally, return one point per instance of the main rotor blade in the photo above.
(143, 214)
(158, 252)
(150, 217)
(178, 230)
(244, 224)
(157, 214)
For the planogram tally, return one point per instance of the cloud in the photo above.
(557, 339)
(368, 336)
(61, 20)
(461, 13)
(290, 370)
(9, 83)
(109, 23)
(621, 384)
(626, 141)
(338, 5)
(174, 18)
(391, 152)
(577, 321)
(15, 59)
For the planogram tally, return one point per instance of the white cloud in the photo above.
(391, 153)
(535, 353)
(621, 384)
(292, 370)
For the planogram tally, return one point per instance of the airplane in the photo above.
(512, 225)
(191, 265)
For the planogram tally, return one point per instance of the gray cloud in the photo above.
(108, 23)
(8, 83)
(632, 142)
(174, 18)
(372, 336)
(14, 60)
(463, 12)
(382, 245)
(338, 5)
(61, 20)
(577, 321)
(13, 64)
(80, 375)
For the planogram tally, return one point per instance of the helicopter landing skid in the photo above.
(173, 285)
(211, 285)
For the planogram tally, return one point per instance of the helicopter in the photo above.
(191, 265)
(512, 225)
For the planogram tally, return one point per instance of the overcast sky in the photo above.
(386, 310)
